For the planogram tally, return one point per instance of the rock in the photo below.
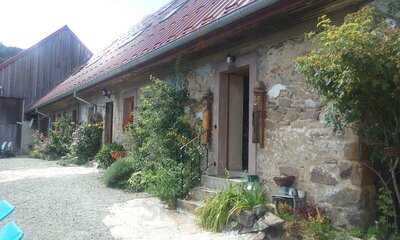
(259, 236)
(246, 218)
(259, 210)
(309, 103)
(271, 208)
(275, 91)
(345, 197)
(322, 175)
(345, 170)
(233, 225)
(272, 220)
(284, 102)
(268, 221)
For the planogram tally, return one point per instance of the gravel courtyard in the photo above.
(71, 203)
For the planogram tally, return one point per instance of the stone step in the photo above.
(201, 193)
(218, 183)
(188, 205)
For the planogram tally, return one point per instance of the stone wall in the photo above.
(298, 143)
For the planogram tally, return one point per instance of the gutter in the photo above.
(224, 21)
(82, 100)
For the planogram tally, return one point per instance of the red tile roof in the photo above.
(176, 20)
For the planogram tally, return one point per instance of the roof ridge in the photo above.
(13, 59)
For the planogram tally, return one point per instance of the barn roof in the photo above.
(175, 24)
(23, 53)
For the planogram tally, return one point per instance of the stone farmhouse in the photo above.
(237, 58)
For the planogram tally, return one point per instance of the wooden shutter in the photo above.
(128, 110)
(108, 123)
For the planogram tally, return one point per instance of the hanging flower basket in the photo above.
(118, 154)
(391, 151)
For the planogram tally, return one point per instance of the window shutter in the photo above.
(128, 110)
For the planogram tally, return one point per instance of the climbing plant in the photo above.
(355, 67)
(164, 148)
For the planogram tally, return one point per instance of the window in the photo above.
(128, 111)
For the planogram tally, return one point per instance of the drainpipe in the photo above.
(44, 115)
(82, 100)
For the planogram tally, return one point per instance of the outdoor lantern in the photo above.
(106, 93)
(230, 60)
(207, 118)
(259, 105)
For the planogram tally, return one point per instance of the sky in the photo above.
(96, 22)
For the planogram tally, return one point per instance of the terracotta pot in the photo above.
(284, 181)
(118, 154)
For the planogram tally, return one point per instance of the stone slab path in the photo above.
(71, 203)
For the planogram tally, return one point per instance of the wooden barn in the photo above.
(30, 75)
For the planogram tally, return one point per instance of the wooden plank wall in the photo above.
(43, 66)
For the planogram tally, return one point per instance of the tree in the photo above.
(355, 67)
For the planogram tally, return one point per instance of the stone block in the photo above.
(284, 102)
(322, 175)
(311, 114)
(291, 115)
(309, 103)
(351, 151)
(345, 170)
(259, 236)
(345, 197)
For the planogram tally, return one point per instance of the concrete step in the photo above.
(218, 183)
(201, 193)
(188, 205)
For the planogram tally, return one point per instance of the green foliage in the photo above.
(58, 142)
(104, 158)
(217, 211)
(167, 161)
(355, 67)
(118, 173)
(86, 142)
(7, 52)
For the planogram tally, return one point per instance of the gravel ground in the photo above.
(71, 203)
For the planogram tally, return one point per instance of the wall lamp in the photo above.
(230, 60)
(106, 93)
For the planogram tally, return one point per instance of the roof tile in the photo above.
(173, 21)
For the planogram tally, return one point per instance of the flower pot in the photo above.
(285, 181)
(118, 154)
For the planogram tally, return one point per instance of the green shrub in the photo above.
(160, 139)
(166, 181)
(217, 211)
(118, 173)
(86, 142)
(58, 142)
(104, 158)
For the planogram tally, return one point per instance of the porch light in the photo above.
(230, 60)
(106, 93)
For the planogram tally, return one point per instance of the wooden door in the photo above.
(235, 122)
(108, 123)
